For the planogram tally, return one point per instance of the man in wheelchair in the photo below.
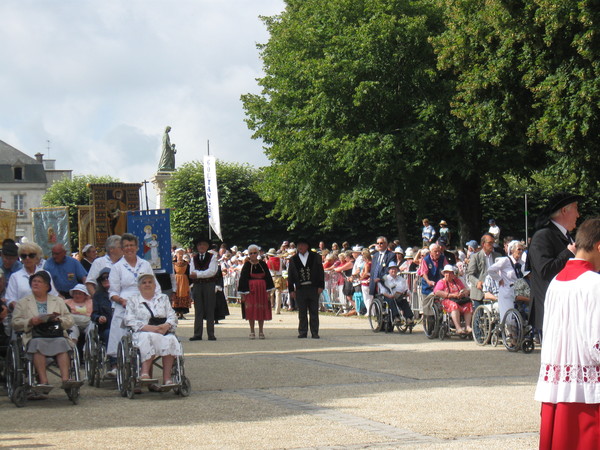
(393, 288)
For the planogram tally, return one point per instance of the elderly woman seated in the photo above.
(153, 322)
(455, 299)
(44, 318)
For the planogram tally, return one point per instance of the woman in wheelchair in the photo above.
(455, 299)
(44, 318)
(392, 287)
(153, 322)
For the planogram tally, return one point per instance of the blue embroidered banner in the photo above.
(51, 227)
(153, 229)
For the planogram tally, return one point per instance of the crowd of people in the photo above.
(120, 289)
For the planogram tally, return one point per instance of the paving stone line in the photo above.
(369, 374)
(364, 424)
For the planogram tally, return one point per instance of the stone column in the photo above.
(159, 180)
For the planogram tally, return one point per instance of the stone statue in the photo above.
(167, 158)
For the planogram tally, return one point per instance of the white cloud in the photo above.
(101, 80)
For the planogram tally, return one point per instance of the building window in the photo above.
(19, 205)
(18, 173)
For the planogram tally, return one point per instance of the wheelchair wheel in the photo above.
(403, 326)
(19, 396)
(443, 331)
(527, 346)
(14, 370)
(512, 330)
(73, 394)
(482, 325)
(494, 338)
(186, 387)
(431, 323)
(123, 369)
(75, 365)
(130, 389)
(90, 358)
(376, 315)
(100, 365)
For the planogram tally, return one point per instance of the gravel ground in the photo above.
(350, 389)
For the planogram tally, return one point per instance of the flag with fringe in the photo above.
(153, 229)
(51, 227)
(8, 224)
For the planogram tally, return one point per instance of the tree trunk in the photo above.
(400, 223)
(469, 209)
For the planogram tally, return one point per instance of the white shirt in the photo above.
(123, 281)
(137, 315)
(502, 270)
(213, 266)
(570, 357)
(18, 286)
(303, 257)
(562, 229)
(97, 266)
(394, 285)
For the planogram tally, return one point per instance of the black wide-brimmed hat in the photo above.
(9, 248)
(201, 238)
(557, 201)
(302, 241)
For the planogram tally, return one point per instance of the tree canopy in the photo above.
(405, 106)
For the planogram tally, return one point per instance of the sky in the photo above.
(101, 80)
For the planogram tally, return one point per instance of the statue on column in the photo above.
(167, 158)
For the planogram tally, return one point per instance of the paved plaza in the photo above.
(350, 389)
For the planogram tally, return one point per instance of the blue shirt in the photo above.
(8, 272)
(66, 274)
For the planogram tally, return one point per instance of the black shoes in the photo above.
(196, 338)
(316, 336)
(302, 336)
(212, 338)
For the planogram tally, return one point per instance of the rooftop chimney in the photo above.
(39, 157)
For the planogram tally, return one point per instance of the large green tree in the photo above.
(528, 75)
(72, 193)
(354, 113)
(346, 87)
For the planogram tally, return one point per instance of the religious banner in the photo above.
(111, 201)
(50, 227)
(212, 194)
(8, 224)
(86, 231)
(153, 229)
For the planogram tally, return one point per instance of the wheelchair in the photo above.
(517, 334)
(381, 317)
(21, 377)
(129, 366)
(439, 324)
(95, 360)
(486, 323)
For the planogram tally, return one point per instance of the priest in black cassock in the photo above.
(306, 281)
(551, 247)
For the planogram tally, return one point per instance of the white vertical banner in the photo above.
(212, 195)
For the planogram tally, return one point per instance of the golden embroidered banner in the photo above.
(111, 201)
(8, 224)
(87, 230)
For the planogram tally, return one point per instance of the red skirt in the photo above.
(256, 304)
(570, 426)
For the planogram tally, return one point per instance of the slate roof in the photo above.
(33, 170)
